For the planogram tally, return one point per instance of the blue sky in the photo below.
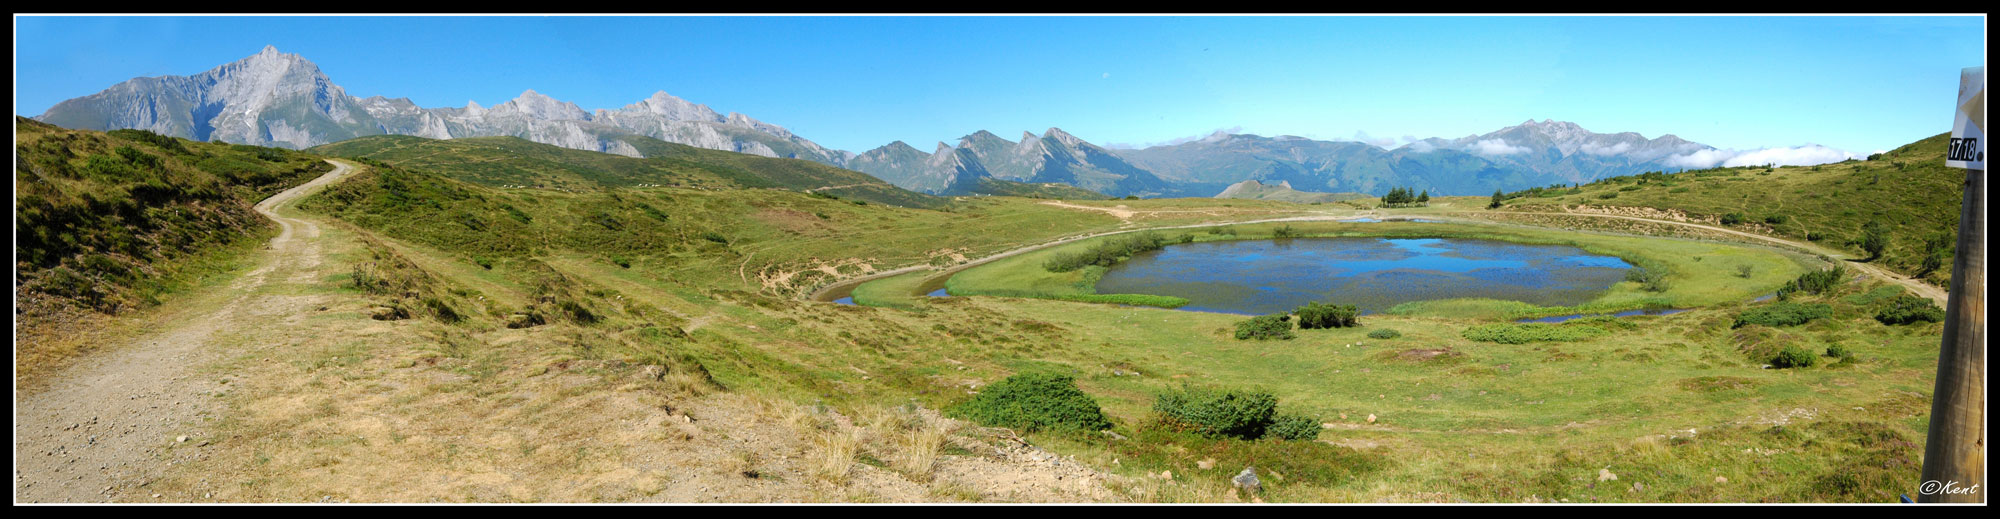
(1853, 83)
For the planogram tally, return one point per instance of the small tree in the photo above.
(1424, 198)
(1743, 271)
(1874, 239)
(1497, 198)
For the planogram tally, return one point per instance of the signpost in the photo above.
(1955, 452)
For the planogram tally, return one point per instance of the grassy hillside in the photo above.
(996, 187)
(514, 162)
(110, 222)
(1908, 190)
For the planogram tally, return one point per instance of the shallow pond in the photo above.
(1271, 276)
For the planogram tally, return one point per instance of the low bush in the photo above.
(1277, 326)
(1784, 313)
(1384, 333)
(1035, 402)
(1650, 280)
(1794, 357)
(1315, 315)
(1293, 428)
(1107, 253)
(1815, 282)
(1238, 414)
(1839, 351)
(1907, 309)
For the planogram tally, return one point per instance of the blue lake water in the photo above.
(845, 300)
(938, 293)
(1271, 276)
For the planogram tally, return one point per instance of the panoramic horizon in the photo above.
(708, 259)
(856, 83)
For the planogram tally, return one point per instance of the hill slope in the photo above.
(514, 162)
(1908, 190)
(109, 222)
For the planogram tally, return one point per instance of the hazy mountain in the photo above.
(1055, 157)
(1527, 155)
(279, 99)
(1568, 152)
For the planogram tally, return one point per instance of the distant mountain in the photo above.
(1527, 155)
(1566, 151)
(1254, 190)
(1055, 157)
(277, 99)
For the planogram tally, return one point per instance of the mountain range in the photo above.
(277, 99)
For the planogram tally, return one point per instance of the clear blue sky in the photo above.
(854, 83)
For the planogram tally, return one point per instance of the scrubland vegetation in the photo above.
(622, 293)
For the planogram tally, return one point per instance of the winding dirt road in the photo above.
(105, 427)
(1915, 286)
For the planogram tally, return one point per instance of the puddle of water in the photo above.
(938, 293)
(849, 300)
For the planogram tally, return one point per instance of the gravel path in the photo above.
(108, 425)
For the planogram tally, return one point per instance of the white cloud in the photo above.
(1107, 75)
(1379, 142)
(1420, 147)
(1216, 135)
(1808, 155)
(1614, 149)
(1492, 147)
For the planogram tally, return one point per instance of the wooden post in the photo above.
(1955, 451)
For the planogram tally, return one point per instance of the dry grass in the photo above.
(832, 459)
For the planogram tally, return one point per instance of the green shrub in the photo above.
(1384, 333)
(1815, 282)
(1838, 351)
(1106, 253)
(1784, 313)
(1315, 315)
(1777, 219)
(1035, 402)
(1794, 357)
(1277, 326)
(1649, 280)
(1286, 232)
(1906, 309)
(1293, 428)
(1732, 218)
(1239, 414)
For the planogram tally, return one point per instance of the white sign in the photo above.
(1968, 129)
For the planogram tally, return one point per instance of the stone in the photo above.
(1604, 474)
(1247, 480)
(1205, 464)
(1371, 417)
(181, 438)
(1721, 480)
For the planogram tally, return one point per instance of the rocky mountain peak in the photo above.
(675, 108)
(539, 106)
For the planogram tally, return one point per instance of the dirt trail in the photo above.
(102, 429)
(1916, 286)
